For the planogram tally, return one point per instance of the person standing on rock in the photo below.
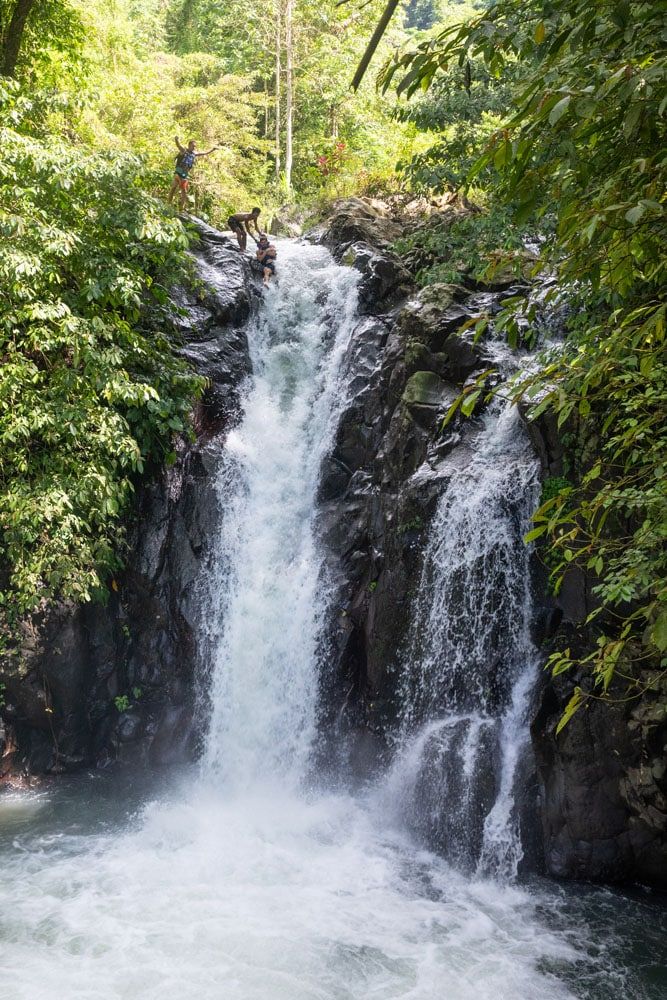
(185, 161)
(240, 224)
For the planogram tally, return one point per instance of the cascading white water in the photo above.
(267, 590)
(238, 883)
(470, 659)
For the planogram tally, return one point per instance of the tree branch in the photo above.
(374, 42)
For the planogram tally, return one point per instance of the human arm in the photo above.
(180, 148)
(208, 151)
(247, 223)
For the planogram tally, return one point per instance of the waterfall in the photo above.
(266, 585)
(245, 879)
(469, 657)
(469, 660)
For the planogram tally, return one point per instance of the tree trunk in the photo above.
(289, 92)
(11, 42)
(278, 82)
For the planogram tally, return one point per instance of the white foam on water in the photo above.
(253, 897)
(470, 654)
(266, 589)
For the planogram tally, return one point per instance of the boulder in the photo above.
(360, 220)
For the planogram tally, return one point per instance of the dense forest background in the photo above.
(270, 84)
(541, 117)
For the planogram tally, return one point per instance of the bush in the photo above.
(454, 247)
(91, 390)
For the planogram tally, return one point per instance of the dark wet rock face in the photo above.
(359, 233)
(601, 783)
(604, 788)
(405, 366)
(97, 683)
(603, 778)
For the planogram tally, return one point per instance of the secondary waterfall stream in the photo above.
(247, 878)
(470, 662)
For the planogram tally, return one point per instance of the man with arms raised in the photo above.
(185, 161)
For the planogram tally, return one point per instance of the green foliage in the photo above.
(414, 524)
(421, 14)
(586, 142)
(154, 95)
(53, 30)
(613, 522)
(327, 39)
(122, 703)
(91, 390)
(463, 245)
(553, 486)
(463, 108)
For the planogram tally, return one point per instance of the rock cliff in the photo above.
(597, 790)
(603, 778)
(94, 683)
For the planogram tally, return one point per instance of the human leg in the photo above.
(184, 185)
(174, 188)
(236, 229)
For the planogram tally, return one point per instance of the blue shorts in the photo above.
(270, 264)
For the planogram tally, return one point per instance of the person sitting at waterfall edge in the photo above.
(237, 222)
(185, 161)
(266, 255)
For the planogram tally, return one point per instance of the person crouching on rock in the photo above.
(185, 161)
(240, 220)
(266, 255)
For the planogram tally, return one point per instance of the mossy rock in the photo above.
(417, 356)
(424, 389)
(441, 294)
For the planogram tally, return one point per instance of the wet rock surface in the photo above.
(603, 787)
(405, 365)
(96, 683)
(604, 793)
(359, 233)
(600, 784)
